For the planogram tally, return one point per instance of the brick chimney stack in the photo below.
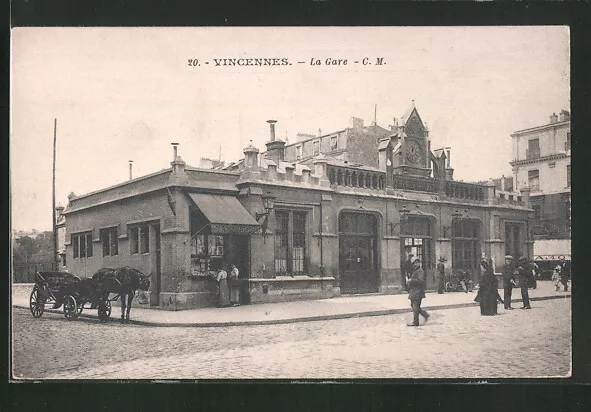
(564, 116)
(275, 148)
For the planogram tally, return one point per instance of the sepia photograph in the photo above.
(293, 203)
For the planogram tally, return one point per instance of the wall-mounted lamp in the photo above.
(404, 213)
(268, 204)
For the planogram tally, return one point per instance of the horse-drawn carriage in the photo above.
(67, 290)
(76, 294)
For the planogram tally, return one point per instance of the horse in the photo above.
(124, 281)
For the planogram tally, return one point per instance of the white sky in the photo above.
(124, 94)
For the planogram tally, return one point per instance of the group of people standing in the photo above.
(228, 286)
(561, 275)
(514, 273)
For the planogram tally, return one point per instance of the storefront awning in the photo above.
(225, 214)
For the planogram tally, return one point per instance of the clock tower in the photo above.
(414, 145)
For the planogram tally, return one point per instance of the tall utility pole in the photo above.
(55, 260)
(375, 115)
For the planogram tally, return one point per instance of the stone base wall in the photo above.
(187, 300)
(286, 288)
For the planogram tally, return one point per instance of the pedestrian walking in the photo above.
(508, 281)
(223, 290)
(556, 278)
(488, 293)
(441, 274)
(416, 292)
(407, 270)
(524, 276)
(234, 286)
(565, 274)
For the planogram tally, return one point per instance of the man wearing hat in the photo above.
(441, 274)
(524, 279)
(508, 281)
(564, 273)
(416, 292)
(407, 269)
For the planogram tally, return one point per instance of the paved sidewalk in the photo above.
(299, 311)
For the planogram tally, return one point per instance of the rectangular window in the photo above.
(110, 241)
(75, 246)
(298, 152)
(567, 144)
(139, 239)
(316, 147)
(82, 245)
(215, 245)
(145, 239)
(281, 241)
(533, 148)
(290, 242)
(134, 240)
(207, 253)
(567, 175)
(299, 241)
(334, 143)
(533, 180)
(465, 244)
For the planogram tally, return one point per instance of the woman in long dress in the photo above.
(224, 291)
(488, 293)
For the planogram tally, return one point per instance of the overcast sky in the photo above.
(124, 94)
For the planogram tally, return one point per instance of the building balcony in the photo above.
(365, 178)
(356, 177)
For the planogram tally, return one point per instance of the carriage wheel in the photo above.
(36, 305)
(70, 307)
(104, 310)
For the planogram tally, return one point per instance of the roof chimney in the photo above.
(553, 118)
(130, 169)
(174, 149)
(564, 116)
(275, 148)
(272, 127)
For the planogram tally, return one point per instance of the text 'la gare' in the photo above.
(379, 61)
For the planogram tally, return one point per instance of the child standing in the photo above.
(556, 278)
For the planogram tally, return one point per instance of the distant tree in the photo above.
(38, 250)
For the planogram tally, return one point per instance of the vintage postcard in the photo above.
(290, 203)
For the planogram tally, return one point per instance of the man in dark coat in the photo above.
(441, 274)
(524, 277)
(565, 274)
(407, 270)
(416, 293)
(508, 281)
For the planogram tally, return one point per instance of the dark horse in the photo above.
(123, 281)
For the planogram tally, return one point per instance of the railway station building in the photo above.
(325, 216)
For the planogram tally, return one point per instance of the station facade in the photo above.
(318, 228)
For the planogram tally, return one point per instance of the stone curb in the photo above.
(294, 320)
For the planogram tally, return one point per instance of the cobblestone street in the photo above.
(455, 343)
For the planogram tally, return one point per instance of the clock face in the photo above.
(413, 152)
